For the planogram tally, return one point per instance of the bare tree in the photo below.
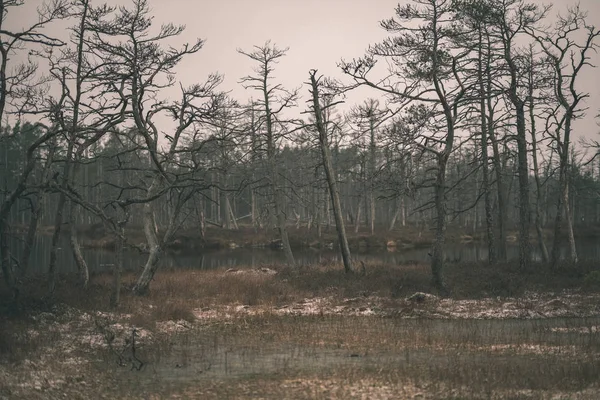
(509, 20)
(534, 84)
(19, 88)
(275, 100)
(368, 117)
(322, 129)
(140, 67)
(568, 56)
(87, 113)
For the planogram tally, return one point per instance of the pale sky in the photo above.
(318, 32)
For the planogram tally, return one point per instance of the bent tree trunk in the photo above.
(330, 174)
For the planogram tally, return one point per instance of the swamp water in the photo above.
(100, 260)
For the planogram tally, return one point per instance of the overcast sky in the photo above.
(318, 32)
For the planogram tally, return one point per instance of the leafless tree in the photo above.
(318, 110)
(568, 49)
(20, 88)
(275, 100)
(508, 21)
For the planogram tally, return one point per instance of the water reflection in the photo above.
(102, 260)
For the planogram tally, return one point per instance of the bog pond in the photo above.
(100, 260)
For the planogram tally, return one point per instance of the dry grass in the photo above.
(174, 294)
(324, 355)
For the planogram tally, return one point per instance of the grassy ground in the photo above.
(315, 332)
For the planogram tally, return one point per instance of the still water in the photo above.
(102, 260)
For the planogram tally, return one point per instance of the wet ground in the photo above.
(369, 357)
(541, 354)
(317, 334)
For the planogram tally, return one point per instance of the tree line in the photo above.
(470, 123)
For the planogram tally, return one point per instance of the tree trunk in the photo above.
(253, 209)
(225, 210)
(489, 218)
(155, 251)
(232, 219)
(31, 234)
(331, 177)
(403, 210)
(372, 166)
(524, 209)
(272, 164)
(70, 156)
(394, 217)
(536, 173)
(438, 253)
(358, 215)
(498, 168)
(570, 234)
(7, 270)
(82, 267)
(115, 298)
(58, 221)
(563, 200)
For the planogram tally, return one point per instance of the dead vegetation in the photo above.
(316, 308)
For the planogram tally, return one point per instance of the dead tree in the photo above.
(20, 91)
(141, 66)
(368, 117)
(322, 130)
(567, 49)
(275, 100)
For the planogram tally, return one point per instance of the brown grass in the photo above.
(173, 294)
(460, 350)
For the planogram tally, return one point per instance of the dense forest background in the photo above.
(467, 123)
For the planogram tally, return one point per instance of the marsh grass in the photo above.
(271, 355)
(174, 294)
(371, 357)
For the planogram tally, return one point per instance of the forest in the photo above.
(467, 124)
